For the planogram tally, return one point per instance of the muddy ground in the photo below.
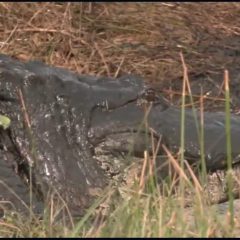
(114, 39)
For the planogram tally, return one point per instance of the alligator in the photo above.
(70, 134)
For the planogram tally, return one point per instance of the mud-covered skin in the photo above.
(61, 107)
(14, 194)
(76, 121)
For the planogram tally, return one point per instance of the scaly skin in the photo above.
(61, 107)
(76, 121)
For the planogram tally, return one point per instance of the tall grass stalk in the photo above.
(33, 150)
(229, 147)
(202, 150)
(197, 188)
(182, 137)
(199, 128)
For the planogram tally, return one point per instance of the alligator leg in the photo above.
(14, 194)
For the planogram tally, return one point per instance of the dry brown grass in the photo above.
(112, 39)
(116, 38)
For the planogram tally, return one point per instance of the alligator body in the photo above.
(168, 124)
(63, 125)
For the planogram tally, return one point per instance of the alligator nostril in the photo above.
(5, 98)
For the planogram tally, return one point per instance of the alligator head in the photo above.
(60, 120)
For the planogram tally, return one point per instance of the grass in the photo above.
(96, 38)
(229, 149)
(112, 40)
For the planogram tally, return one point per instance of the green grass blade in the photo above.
(229, 148)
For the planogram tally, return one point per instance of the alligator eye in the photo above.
(148, 94)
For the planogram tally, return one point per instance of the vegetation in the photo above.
(140, 38)
(4, 121)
